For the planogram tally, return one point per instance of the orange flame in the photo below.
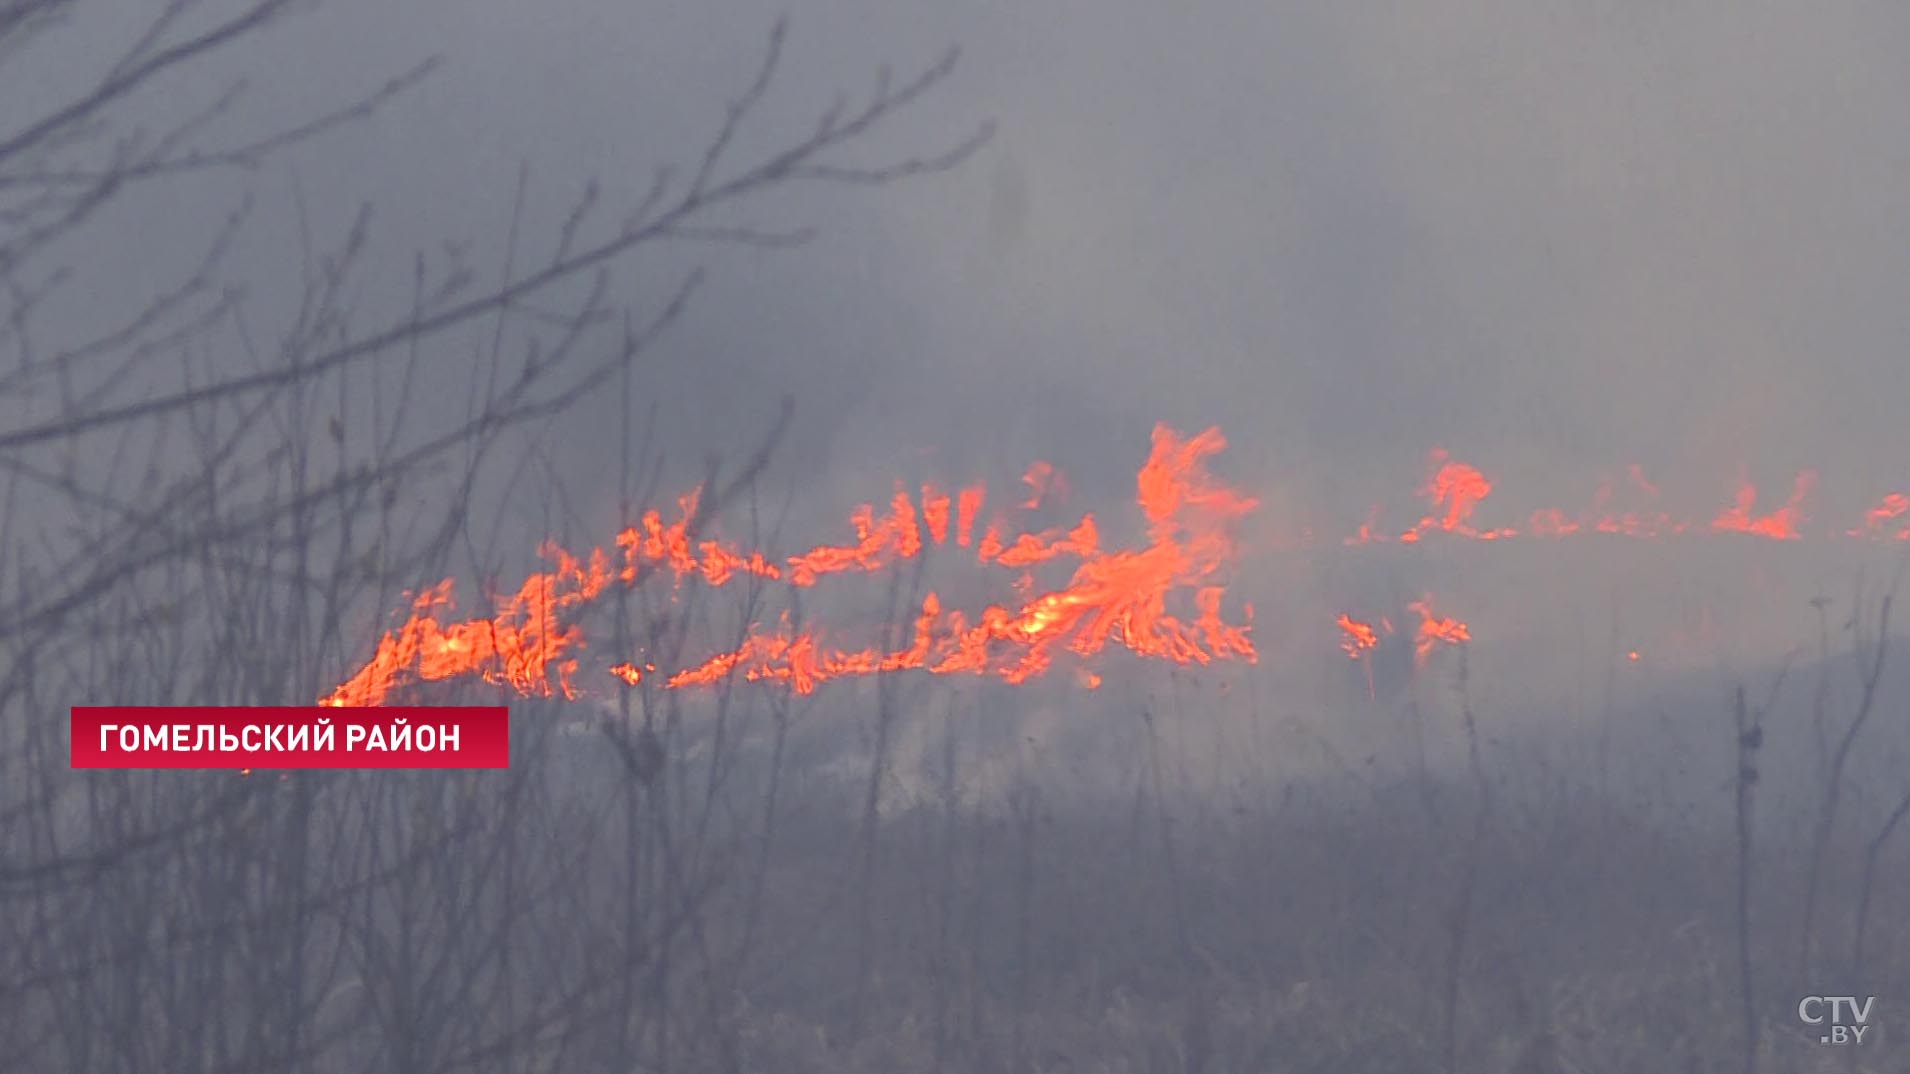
(532, 641)
(1361, 639)
(935, 506)
(1457, 488)
(1114, 595)
(1434, 630)
(1877, 520)
(968, 504)
(895, 535)
(523, 646)
(1031, 548)
(1780, 525)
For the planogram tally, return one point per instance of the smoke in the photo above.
(1576, 235)
(1554, 239)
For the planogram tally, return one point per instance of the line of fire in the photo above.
(1164, 596)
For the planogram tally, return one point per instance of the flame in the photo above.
(968, 504)
(531, 643)
(895, 536)
(1877, 520)
(1119, 596)
(1455, 490)
(1160, 598)
(1434, 630)
(1031, 548)
(1455, 486)
(935, 504)
(1361, 639)
(1780, 525)
(631, 674)
(523, 646)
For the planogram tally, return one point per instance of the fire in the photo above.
(1455, 491)
(935, 505)
(1358, 644)
(895, 536)
(1454, 488)
(1114, 596)
(1083, 540)
(1361, 639)
(532, 642)
(967, 505)
(1779, 525)
(523, 646)
(1879, 519)
(1434, 630)
(1160, 597)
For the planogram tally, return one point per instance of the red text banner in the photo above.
(281, 737)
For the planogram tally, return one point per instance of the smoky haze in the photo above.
(1554, 240)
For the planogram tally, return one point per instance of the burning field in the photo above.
(1162, 595)
(1444, 827)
